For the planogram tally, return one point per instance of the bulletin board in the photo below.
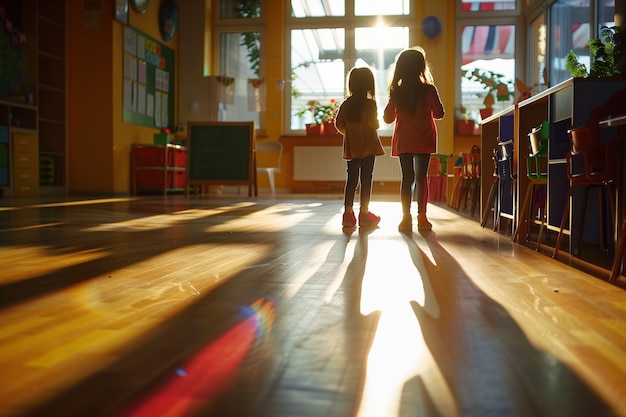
(221, 153)
(148, 92)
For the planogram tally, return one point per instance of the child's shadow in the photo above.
(488, 365)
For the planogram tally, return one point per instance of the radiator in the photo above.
(325, 163)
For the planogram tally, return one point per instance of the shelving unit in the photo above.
(33, 143)
(564, 106)
(51, 95)
(158, 168)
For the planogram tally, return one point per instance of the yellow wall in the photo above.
(90, 103)
(99, 140)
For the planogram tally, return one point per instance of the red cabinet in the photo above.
(158, 168)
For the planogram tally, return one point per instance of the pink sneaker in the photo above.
(368, 219)
(349, 220)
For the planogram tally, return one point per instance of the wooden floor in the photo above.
(231, 306)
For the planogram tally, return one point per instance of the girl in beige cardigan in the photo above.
(357, 121)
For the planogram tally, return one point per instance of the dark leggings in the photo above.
(359, 168)
(414, 175)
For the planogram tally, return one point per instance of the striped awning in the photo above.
(487, 42)
(487, 5)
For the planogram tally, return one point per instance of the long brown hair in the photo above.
(361, 87)
(411, 74)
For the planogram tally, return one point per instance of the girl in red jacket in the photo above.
(357, 121)
(414, 105)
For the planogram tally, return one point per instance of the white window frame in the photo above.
(238, 25)
(500, 17)
(349, 23)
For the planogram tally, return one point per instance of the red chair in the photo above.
(468, 185)
(593, 163)
(434, 180)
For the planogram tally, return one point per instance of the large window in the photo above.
(240, 89)
(571, 28)
(486, 34)
(240, 59)
(322, 49)
(537, 44)
(487, 69)
(487, 5)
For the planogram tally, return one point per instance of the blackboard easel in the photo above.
(221, 153)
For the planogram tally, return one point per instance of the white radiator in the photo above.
(325, 163)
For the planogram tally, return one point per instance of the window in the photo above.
(487, 5)
(240, 58)
(236, 9)
(571, 28)
(487, 60)
(322, 49)
(486, 33)
(238, 31)
(537, 54)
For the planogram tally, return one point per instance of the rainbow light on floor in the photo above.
(210, 371)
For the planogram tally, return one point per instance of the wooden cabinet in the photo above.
(19, 162)
(158, 168)
(25, 158)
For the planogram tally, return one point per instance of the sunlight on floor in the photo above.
(163, 221)
(398, 353)
(108, 313)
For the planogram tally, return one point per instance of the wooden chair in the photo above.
(594, 163)
(434, 179)
(468, 185)
(437, 177)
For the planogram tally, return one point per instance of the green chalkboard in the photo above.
(221, 153)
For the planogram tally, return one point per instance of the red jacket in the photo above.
(415, 133)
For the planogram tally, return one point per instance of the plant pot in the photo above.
(329, 129)
(486, 112)
(313, 130)
(465, 127)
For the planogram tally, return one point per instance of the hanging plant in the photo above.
(607, 52)
(251, 40)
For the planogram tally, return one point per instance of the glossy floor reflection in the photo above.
(220, 306)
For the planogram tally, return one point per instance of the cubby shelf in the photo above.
(563, 106)
(158, 168)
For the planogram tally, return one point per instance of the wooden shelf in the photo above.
(565, 105)
(51, 91)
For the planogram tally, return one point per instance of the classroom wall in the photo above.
(99, 140)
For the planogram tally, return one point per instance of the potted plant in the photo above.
(463, 124)
(608, 55)
(321, 117)
(493, 82)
